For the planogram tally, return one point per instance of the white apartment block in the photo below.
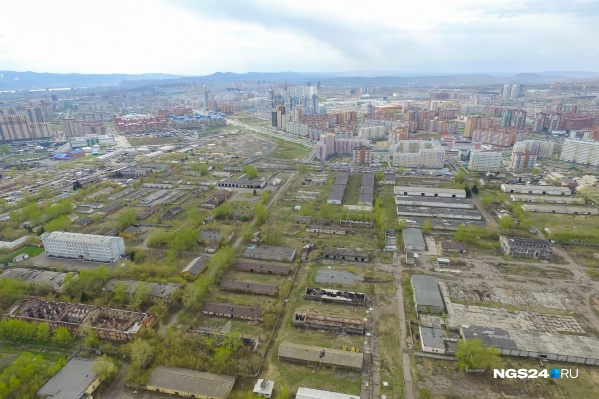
(418, 154)
(297, 128)
(584, 152)
(485, 161)
(542, 148)
(83, 246)
(372, 132)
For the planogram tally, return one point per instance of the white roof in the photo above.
(309, 393)
(77, 237)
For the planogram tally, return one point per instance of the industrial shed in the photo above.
(430, 191)
(537, 344)
(427, 296)
(190, 383)
(413, 239)
(543, 190)
(248, 286)
(318, 355)
(564, 209)
(309, 393)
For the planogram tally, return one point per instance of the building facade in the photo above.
(485, 161)
(83, 246)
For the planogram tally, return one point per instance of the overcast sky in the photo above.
(197, 37)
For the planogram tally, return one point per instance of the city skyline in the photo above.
(197, 38)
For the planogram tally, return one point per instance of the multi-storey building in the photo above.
(499, 137)
(417, 154)
(584, 152)
(361, 155)
(523, 160)
(18, 128)
(485, 161)
(477, 122)
(546, 122)
(83, 246)
(330, 144)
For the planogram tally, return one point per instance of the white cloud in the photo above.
(191, 37)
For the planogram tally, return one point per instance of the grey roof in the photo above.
(432, 337)
(359, 253)
(156, 290)
(35, 276)
(262, 267)
(426, 291)
(525, 242)
(191, 382)
(491, 336)
(431, 201)
(210, 235)
(71, 381)
(309, 393)
(333, 357)
(412, 236)
(248, 286)
(232, 310)
(269, 252)
(196, 266)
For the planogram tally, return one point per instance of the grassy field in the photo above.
(31, 250)
(137, 141)
(352, 191)
(288, 150)
(556, 222)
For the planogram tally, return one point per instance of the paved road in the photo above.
(406, 364)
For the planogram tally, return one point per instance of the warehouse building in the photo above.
(326, 230)
(76, 379)
(564, 209)
(321, 356)
(544, 190)
(248, 286)
(83, 246)
(526, 247)
(427, 296)
(262, 268)
(548, 199)
(453, 203)
(338, 190)
(413, 239)
(429, 191)
(366, 196)
(195, 267)
(190, 383)
(537, 344)
(44, 277)
(356, 255)
(309, 393)
(243, 183)
(269, 252)
(335, 296)
(442, 213)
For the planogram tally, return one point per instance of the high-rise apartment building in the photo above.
(498, 137)
(417, 154)
(584, 152)
(477, 122)
(485, 161)
(545, 122)
(18, 128)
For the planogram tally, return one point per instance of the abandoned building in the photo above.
(111, 324)
(217, 198)
(53, 279)
(158, 292)
(326, 229)
(329, 323)
(270, 252)
(263, 268)
(336, 296)
(526, 247)
(427, 296)
(248, 286)
(195, 267)
(361, 224)
(323, 356)
(356, 255)
(452, 246)
(190, 383)
(233, 311)
(302, 219)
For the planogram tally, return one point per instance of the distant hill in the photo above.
(11, 80)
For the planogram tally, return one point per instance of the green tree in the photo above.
(105, 368)
(379, 175)
(401, 224)
(459, 177)
(475, 189)
(91, 340)
(326, 211)
(141, 296)
(184, 239)
(260, 213)
(4, 149)
(126, 218)
(224, 210)
(426, 227)
(203, 170)
(62, 336)
(283, 393)
(468, 192)
(425, 393)
(307, 209)
(43, 332)
(142, 353)
(473, 354)
(120, 292)
(303, 168)
(506, 223)
(62, 223)
(250, 171)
